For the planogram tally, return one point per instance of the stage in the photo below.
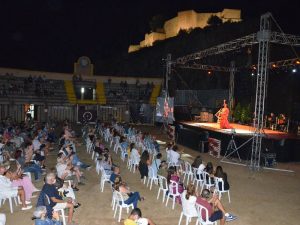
(195, 135)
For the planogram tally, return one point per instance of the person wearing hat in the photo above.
(8, 190)
(39, 217)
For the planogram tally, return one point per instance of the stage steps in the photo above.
(70, 91)
(100, 93)
(154, 94)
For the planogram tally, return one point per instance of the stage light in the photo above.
(82, 90)
(209, 72)
(273, 65)
(294, 70)
(298, 62)
(252, 74)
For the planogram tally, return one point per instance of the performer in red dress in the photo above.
(223, 117)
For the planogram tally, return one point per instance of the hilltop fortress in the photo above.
(185, 20)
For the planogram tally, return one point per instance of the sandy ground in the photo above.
(260, 198)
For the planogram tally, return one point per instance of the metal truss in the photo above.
(222, 48)
(262, 72)
(206, 67)
(273, 37)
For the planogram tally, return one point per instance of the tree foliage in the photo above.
(214, 21)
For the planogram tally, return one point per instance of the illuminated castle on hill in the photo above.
(185, 20)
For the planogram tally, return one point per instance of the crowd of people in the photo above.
(25, 149)
(38, 85)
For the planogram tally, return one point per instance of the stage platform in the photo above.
(195, 135)
(241, 130)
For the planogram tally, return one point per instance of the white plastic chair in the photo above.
(104, 178)
(221, 190)
(198, 178)
(173, 191)
(207, 181)
(61, 211)
(162, 186)
(4, 196)
(200, 220)
(151, 177)
(119, 203)
(184, 213)
(188, 172)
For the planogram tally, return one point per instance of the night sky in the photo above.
(51, 34)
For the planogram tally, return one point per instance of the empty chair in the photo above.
(151, 177)
(173, 192)
(8, 196)
(188, 172)
(162, 186)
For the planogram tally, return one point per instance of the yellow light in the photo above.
(297, 62)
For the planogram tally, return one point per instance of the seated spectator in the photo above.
(66, 171)
(210, 205)
(15, 173)
(156, 164)
(128, 196)
(24, 159)
(144, 163)
(174, 176)
(40, 218)
(115, 174)
(174, 155)
(136, 218)
(106, 163)
(210, 170)
(163, 169)
(188, 199)
(54, 199)
(219, 173)
(199, 165)
(134, 153)
(8, 189)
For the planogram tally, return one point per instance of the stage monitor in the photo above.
(165, 109)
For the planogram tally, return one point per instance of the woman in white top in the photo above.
(188, 199)
(134, 154)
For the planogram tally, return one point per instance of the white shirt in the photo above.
(142, 221)
(36, 144)
(174, 156)
(135, 156)
(61, 169)
(201, 168)
(6, 187)
(189, 205)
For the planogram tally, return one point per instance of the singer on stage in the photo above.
(222, 116)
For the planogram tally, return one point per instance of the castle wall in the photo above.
(187, 20)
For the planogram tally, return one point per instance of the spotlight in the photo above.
(294, 70)
(209, 72)
(298, 62)
(252, 74)
(82, 90)
(273, 65)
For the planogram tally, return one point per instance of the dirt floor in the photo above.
(258, 198)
